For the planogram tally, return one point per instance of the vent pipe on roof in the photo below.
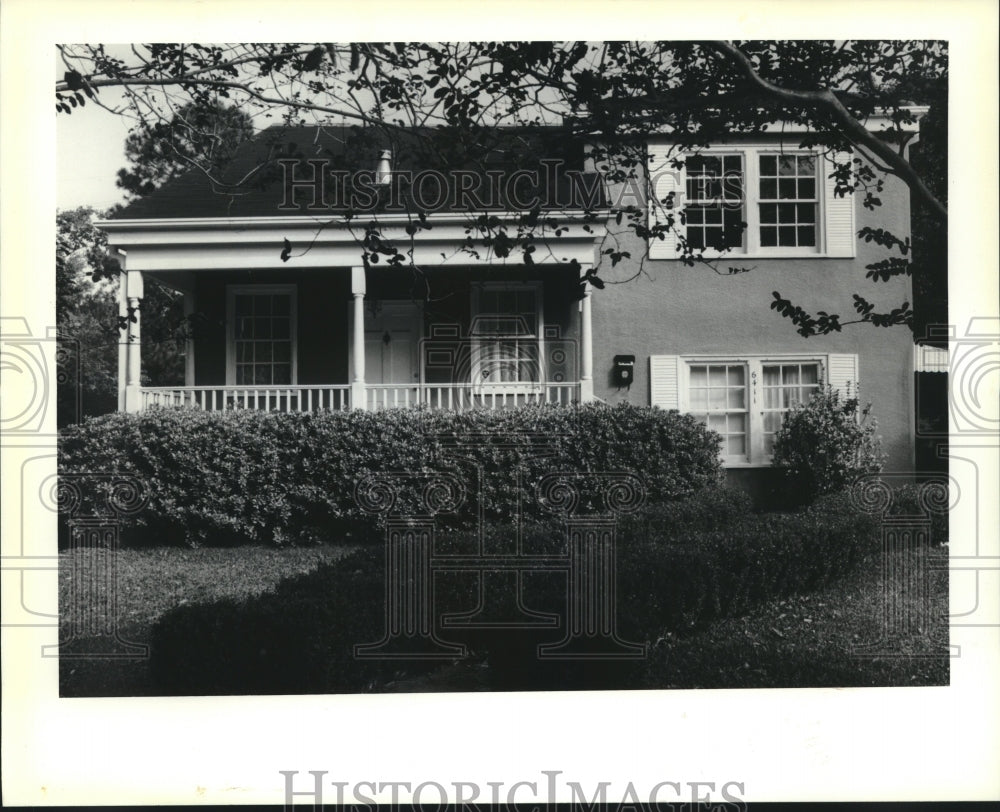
(383, 172)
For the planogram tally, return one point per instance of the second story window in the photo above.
(788, 201)
(767, 200)
(714, 194)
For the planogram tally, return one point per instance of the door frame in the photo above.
(418, 331)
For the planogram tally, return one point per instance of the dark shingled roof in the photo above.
(549, 167)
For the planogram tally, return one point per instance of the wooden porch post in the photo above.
(357, 344)
(122, 335)
(189, 304)
(586, 345)
(133, 372)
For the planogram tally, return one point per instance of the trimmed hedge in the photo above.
(673, 576)
(233, 477)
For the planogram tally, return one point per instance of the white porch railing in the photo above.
(266, 398)
(465, 396)
(450, 396)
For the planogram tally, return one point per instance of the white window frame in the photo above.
(232, 291)
(476, 344)
(752, 248)
(687, 202)
(753, 364)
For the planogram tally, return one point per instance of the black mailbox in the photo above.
(624, 370)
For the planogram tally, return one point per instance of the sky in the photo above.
(90, 149)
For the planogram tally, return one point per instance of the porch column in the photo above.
(586, 346)
(133, 372)
(189, 341)
(122, 338)
(358, 396)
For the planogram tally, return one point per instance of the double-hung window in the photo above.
(714, 213)
(506, 334)
(261, 346)
(717, 395)
(784, 386)
(753, 200)
(744, 399)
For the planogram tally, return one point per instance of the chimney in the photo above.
(383, 172)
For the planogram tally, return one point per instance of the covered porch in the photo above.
(324, 332)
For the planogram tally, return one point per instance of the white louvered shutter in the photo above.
(842, 374)
(664, 179)
(664, 385)
(841, 239)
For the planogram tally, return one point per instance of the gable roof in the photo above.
(433, 171)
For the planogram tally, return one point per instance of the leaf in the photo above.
(313, 59)
(73, 79)
(286, 251)
(597, 282)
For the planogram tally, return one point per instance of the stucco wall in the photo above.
(674, 309)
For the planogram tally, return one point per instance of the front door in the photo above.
(391, 336)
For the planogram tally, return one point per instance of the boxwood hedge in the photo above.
(679, 567)
(233, 477)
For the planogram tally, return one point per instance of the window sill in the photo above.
(765, 255)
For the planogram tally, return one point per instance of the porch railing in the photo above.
(450, 396)
(465, 396)
(265, 398)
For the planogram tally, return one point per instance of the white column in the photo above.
(357, 349)
(189, 342)
(133, 371)
(122, 337)
(586, 346)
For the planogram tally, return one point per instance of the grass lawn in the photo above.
(824, 639)
(810, 640)
(152, 581)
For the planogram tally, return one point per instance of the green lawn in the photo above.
(807, 640)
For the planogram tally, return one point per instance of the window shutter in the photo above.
(842, 374)
(841, 239)
(664, 179)
(664, 390)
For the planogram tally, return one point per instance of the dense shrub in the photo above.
(926, 501)
(826, 443)
(712, 508)
(230, 477)
(676, 582)
(672, 577)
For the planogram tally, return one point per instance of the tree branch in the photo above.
(826, 101)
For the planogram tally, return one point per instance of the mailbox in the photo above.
(624, 370)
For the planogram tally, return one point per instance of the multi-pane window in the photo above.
(717, 395)
(768, 199)
(788, 201)
(262, 338)
(784, 386)
(713, 214)
(745, 400)
(505, 334)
